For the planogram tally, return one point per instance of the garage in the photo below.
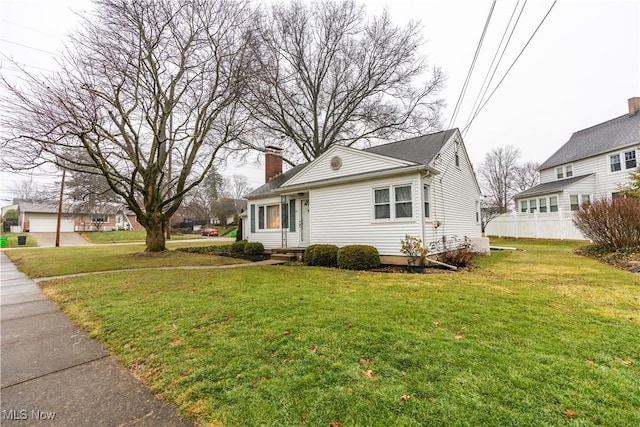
(49, 224)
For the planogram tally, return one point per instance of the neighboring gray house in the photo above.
(423, 187)
(592, 165)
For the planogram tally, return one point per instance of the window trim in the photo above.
(579, 200)
(426, 200)
(564, 172)
(392, 203)
(262, 224)
(611, 163)
(626, 160)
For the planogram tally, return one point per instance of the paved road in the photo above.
(53, 374)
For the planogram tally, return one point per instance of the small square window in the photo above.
(585, 199)
(403, 202)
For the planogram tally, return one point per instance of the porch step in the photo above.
(284, 256)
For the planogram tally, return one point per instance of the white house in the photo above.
(423, 187)
(593, 164)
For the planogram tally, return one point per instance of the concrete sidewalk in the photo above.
(53, 374)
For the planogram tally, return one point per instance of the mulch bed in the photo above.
(252, 258)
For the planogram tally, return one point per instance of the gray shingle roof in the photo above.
(275, 183)
(617, 133)
(420, 150)
(551, 187)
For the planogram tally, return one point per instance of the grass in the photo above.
(537, 337)
(47, 262)
(127, 236)
(12, 240)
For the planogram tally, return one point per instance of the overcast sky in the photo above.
(578, 70)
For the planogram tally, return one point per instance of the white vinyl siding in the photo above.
(270, 237)
(354, 162)
(354, 222)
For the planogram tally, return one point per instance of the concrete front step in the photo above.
(284, 256)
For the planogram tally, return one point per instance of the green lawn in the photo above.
(46, 262)
(540, 337)
(99, 237)
(12, 240)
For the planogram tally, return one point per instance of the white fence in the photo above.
(550, 225)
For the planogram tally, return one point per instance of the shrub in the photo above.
(413, 248)
(238, 247)
(216, 249)
(358, 257)
(613, 223)
(458, 257)
(321, 255)
(253, 248)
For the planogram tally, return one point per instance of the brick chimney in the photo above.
(634, 105)
(272, 162)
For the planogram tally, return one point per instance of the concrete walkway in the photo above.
(53, 374)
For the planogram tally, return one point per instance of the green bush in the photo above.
(215, 249)
(321, 255)
(358, 257)
(238, 247)
(253, 248)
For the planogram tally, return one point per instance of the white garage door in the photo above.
(49, 225)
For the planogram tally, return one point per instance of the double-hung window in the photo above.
(532, 205)
(630, 161)
(542, 203)
(427, 200)
(381, 203)
(614, 161)
(399, 196)
(404, 208)
(559, 172)
(568, 171)
(553, 204)
(523, 206)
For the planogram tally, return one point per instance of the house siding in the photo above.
(355, 223)
(455, 193)
(353, 162)
(270, 238)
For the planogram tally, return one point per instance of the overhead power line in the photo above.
(466, 128)
(31, 47)
(471, 67)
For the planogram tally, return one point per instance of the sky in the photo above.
(578, 70)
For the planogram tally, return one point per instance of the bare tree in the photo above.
(497, 174)
(239, 186)
(525, 176)
(331, 75)
(144, 84)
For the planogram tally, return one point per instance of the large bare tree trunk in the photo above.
(155, 224)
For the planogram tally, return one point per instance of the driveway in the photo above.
(66, 239)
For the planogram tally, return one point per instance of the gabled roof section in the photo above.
(351, 161)
(47, 207)
(611, 135)
(421, 149)
(551, 187)
(395, 156)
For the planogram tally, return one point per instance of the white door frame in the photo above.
(305, 223)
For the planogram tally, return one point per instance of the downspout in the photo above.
(423, 218)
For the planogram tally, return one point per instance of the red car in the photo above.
(209, 232)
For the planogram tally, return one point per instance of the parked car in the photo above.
(209, 232)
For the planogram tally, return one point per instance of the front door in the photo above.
(305, 224)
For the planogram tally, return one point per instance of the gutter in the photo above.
(353, 178)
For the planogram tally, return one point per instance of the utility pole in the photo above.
(169, 172)
(64, 171)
